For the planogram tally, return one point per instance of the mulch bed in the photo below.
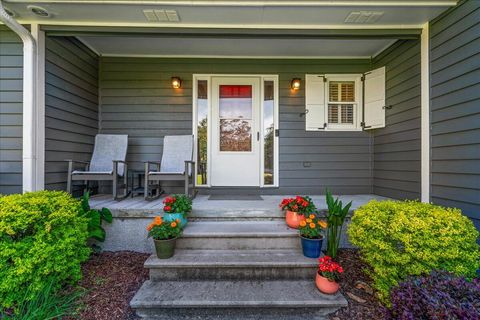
(356, 287)
(111, 280)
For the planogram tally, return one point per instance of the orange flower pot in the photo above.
(293, 219)
(325, 285)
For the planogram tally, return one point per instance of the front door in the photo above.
(235, 148)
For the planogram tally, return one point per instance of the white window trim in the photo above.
(357, 110)
(276, 143)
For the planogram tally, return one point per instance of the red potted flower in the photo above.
(327, 275)
(296, 209)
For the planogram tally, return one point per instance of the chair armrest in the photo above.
(189, 161)
(121, 161)
(148, 163)
(77, 161)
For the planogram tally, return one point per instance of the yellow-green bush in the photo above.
(42, 237)
(402, 238)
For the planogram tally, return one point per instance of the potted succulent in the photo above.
(177, 206)
(327, 275)
(296, 209)
(311, 235)
(164, 234)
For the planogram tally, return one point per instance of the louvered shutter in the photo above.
(375, 99)
(315, 102)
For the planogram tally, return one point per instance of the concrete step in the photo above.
(234, 300)
(238, 235)
(276, 264)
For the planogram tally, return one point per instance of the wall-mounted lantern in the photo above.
(295, 84)
(176, 82)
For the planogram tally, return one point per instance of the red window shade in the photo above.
(235, 91)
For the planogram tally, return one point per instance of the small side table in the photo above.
(140, 175)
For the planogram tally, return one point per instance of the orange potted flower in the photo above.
(296, 209)
(327, 275)
(164, 234)
(311, 235)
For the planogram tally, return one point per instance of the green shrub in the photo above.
(42, 236)
(400, 239)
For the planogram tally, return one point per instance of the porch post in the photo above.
(425, 114)
(29, 156)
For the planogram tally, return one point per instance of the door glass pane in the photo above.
(268, 132)
(235, 110)
(202, 129)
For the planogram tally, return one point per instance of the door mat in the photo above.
(248, 197)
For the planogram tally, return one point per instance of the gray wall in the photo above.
(71, 106)
(455, 108)
(137, 99)
(11, 62)
(396, 148)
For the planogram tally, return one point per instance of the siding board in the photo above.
(396, 148)
(71, 106)
(455, 117)
(11, 118)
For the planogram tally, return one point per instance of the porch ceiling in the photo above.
(301, 14)
(234, 47)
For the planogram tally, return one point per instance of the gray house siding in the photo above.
(396, 148)
(455, 108)
(71, 106)
(11, 90)
(136, 98)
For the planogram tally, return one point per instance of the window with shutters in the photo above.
(343, 101)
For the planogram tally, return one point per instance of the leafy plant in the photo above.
(437, 296)
(177, 203)
(42, 236)
(408, 238)
(328, 268)
(47, 303)
(312, 227)
(335, 219)
(164, 230)
(95, 219)
(301, 205)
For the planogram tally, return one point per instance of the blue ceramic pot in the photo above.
(174, 216)
(311, 247)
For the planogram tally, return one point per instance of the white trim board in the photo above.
(425, 114)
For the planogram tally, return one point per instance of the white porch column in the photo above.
(30, 125)
(425, 114)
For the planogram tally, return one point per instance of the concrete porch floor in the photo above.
(205, 208)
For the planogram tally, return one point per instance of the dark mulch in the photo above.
(356, 287)
(111, 279)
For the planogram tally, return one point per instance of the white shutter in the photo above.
(375, 99)
(315, 102)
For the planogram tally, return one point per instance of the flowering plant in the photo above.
(301, 205)
(163, 230)
(312, 227)
(177, 203)
(328, 268)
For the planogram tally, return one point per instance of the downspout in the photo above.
(29, 156)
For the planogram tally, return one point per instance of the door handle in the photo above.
(258, 136)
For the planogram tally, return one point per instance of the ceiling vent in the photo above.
(366, 17)
(154, 15)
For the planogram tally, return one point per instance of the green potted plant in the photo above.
(335, 218)
(327, 275)
(164, 234)
(177, 206)
(296, 209)
(311, 235)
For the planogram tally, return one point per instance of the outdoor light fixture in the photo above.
(176, 82)
(295, 84)
(39, 11)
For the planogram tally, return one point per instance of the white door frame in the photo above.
(263, 78)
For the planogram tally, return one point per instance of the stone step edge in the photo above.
(337, 300)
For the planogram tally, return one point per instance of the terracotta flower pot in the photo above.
(165, 248)
(293, 219)
(325, 285)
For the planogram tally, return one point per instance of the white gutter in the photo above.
(29, 173)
